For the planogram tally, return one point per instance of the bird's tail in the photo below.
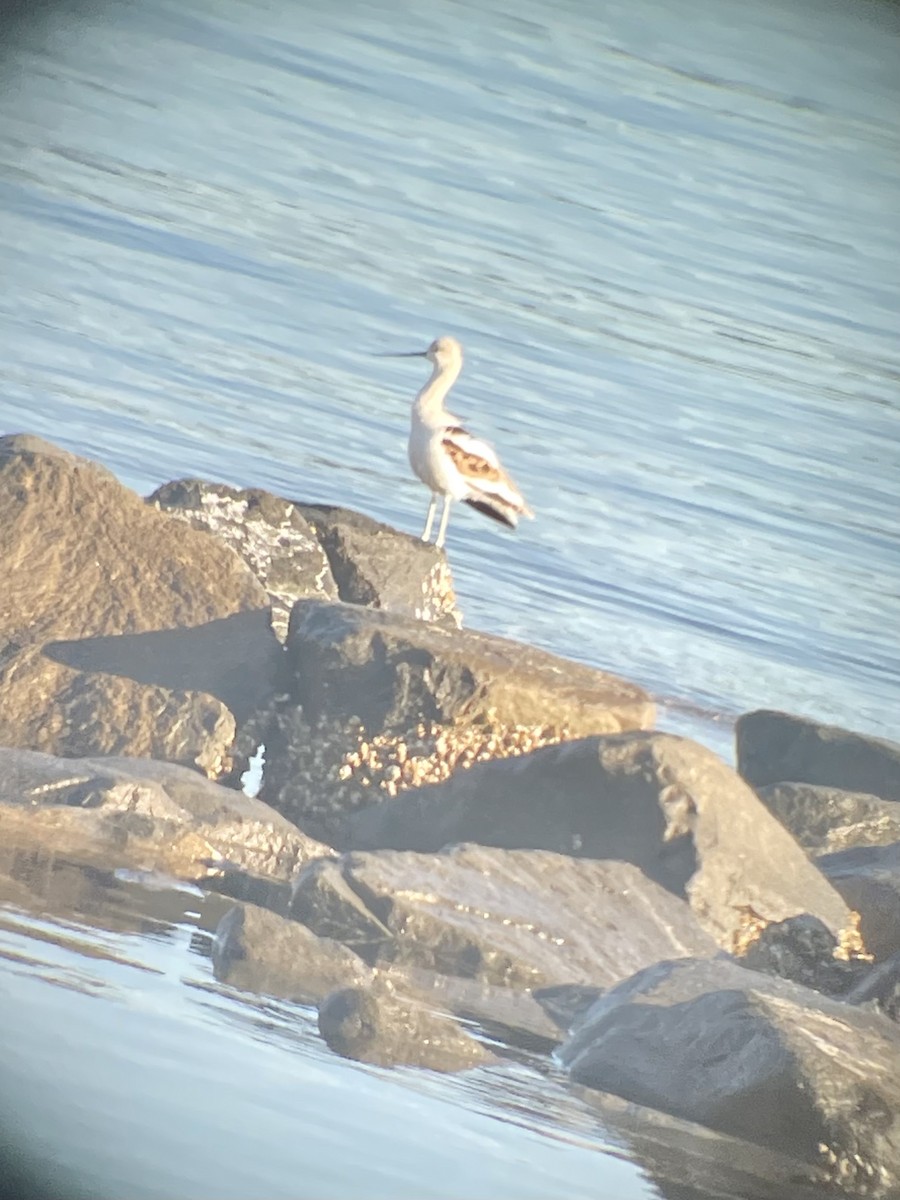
(499, 509)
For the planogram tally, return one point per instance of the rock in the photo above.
(880, 988)
(270, 534)
(825, 819)
(756, 1057)
(116, 812)
(515, 919)
(381, 1025)
(388, 702)
(803, 949)
(119, 632)
(682, 1160)
(380, 567)
(259, 951)
(662, 802)
(774, 747)
(868, 878)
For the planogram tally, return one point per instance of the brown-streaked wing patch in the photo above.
(469, 464)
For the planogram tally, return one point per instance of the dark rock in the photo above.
(118, 812)
(325, 899)
(380, 567)
(826, 819)
(389, 702)
(515, 919)
(868, 878)
(109, 616)
(381, 1025)
(664, 803)
(259, 951)
(567, 1003)
(803, 949)
(687, 1161)
(775, 747)
(759, 1058)
(880, 987)
(270, 534)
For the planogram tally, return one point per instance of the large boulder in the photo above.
(378, 703)
(760, 1058)
(379, 567)
(115, 812)
(260, 951)
(775, 747)
(664, 803)
(517, 919)
(825, 820)
(307, 551)
(121, 632)
(270, 534)
(868, 877)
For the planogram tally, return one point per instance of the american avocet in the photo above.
(447, 459)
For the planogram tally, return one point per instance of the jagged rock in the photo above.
(665, 803)
(868, 877)
(116, 812)
(120, 633)
(757, 1057)
(826, 819)
(259, 951)
(380, 567)
(388, 702)
(270, 534)
(379, 1024)
(517, 919)
(803, 949)
(775, 747)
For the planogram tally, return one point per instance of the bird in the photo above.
(447, 458)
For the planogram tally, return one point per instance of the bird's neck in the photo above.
(429, 404)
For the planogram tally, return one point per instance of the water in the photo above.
(667, 238)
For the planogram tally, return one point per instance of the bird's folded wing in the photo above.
(478, 464)
(474, 459)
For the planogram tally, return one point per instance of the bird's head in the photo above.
(445, 352)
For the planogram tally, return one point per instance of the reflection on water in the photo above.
(668, 240)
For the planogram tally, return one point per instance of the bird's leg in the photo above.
(429, 520)
(445, 517)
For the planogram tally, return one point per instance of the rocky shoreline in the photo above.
(462, 845)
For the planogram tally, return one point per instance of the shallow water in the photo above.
(668, 240)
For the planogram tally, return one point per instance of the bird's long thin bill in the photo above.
(405, 354)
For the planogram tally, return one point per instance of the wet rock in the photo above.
(804, 949)
(381, 1025)
(119, 812)
(380, 567)
(868, 878)
(664, 803)
(567, 1003)
(756, 1057)
(826, 819)
(515, 919)
(880, 988)
(775, 747)
(259, 951)
(269, 533)
(388, 703)
(687, 1161)
(120, 633)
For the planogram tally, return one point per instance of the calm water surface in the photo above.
(668, 239)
